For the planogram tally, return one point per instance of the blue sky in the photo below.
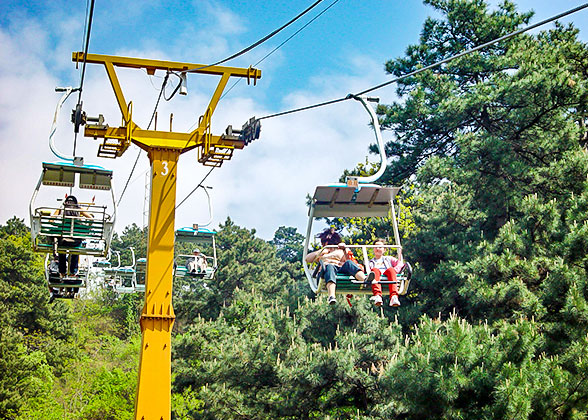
(264, 186)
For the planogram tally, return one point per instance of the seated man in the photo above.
(335, 262)
(196, 263)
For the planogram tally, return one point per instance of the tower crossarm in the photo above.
(212, 148)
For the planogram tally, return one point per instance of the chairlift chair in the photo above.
(125, 278)
(196, 235)
(141, 275)
(47, 228)
(65, 287)
(343, 201)
(359, 197)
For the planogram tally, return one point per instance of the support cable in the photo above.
(148, 126)
(79, 104)
(282, 44)
(262, 40)
(249, 48)
(210, 65)
(197, 186)
(429, 67)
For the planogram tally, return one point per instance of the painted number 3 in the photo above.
(165, 168)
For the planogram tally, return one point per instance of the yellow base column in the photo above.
(157, 318)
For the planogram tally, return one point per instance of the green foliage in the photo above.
(14, 227)
(132, 236)
(288, 243)
(268, 361)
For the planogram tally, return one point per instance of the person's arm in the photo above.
(314, 256)
(345, 250)
(391, 260)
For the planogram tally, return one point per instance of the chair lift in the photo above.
(141, 275)
(197, 234)
(125, 278)
(104, 262)
(66, 287)
(52, 231)
(358, 198)
(109, 272)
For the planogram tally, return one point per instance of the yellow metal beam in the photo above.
(200, 137)
(152, 65)
(153, 399)
(160, 139)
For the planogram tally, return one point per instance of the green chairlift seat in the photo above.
(52, 233)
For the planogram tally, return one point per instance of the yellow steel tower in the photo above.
(153, 401)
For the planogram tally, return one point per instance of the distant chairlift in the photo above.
(196, 235)
(125, 278)
(141, 275)
(358, 198)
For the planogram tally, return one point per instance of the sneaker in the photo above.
(377, 300)
(394, 301)
(370, 277)
(332, 300)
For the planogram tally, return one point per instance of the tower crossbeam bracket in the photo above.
(213, 150)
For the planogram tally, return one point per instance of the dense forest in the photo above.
(491, 152)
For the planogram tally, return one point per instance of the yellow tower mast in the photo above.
(153, 400)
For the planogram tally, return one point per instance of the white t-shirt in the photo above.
(385, 262)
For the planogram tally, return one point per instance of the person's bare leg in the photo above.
(331, 288)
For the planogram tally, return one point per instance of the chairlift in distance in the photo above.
(141, 269)
(197, 235)
(359, 197)
(123, 279)
(66, 287)
(104, 262)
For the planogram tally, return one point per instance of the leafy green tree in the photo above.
(288, 243)
(132, 236)
(14, 226)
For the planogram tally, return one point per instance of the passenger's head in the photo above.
(70, 200)
(329, 237)
(196, 251)
(379, 250)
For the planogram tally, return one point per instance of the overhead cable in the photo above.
(87, 44)
(429, 67)
(215, 64)
(262, 40)
(148, 126)
(282, 44)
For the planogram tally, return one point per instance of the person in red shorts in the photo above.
(385, 265)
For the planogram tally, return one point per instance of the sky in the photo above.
(263, 186)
